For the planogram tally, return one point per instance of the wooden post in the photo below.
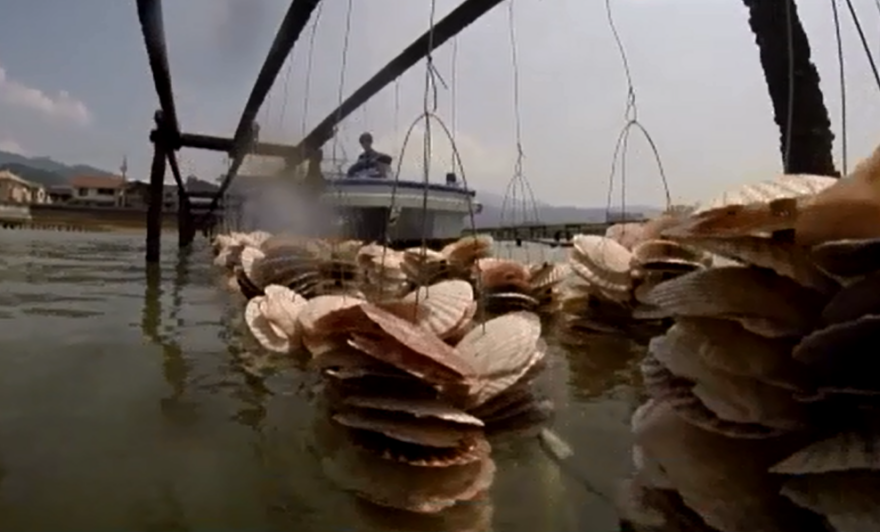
(186, 229)
(157, 180)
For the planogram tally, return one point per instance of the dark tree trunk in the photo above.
(811, 137)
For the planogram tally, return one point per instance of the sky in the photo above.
(75, 85)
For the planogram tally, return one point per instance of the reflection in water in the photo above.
(83, 445)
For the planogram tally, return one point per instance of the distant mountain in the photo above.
(491, 215)
(44, 170)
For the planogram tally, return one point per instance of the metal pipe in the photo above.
(152, 27)
(450, 26)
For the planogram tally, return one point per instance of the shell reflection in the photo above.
(765, 398)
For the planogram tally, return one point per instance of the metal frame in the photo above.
(167, 137)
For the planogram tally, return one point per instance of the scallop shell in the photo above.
(419, 408)
(738, 293)
(419, 339)
(601, 261)
(848, 258)
(273, 318)
(847, 500)
(842, 452)
(784, 258)
(725, 345)
(677, 392)
(547, 274)
(430, 432)
(780, 187)
(854, 301)
(468, 249)
(445, 305)
(665, 254)
(321, 306)
(502, 350)
(843, 355)
(731, 397)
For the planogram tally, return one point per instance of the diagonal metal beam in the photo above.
(152, 27)
(291, 28)
(450, 26)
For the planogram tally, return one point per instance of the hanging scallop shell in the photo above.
(847, 500)
(250, 258)
(666, 255)
(273, 318)
(780, 187)
(848, 258)
(760, 300)
(445, 305)
(842, 355)
(784, 258)
(846, 451)
(601, 261)
(468, 249)
(502, 351)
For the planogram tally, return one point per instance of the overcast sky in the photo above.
(75, 85)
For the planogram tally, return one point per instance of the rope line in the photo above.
(865, 45)
(841, 67)
(789, 113)
(310, 55)
(519, 191)
(631, 117)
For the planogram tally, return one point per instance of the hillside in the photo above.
(44, 170)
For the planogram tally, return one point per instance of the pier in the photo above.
(553, 235)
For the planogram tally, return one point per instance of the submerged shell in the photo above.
(430, 432)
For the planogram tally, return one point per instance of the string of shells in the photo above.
(611, 273)
(414, 380)
(764, 397)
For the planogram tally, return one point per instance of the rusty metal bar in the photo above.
(292, 26)
(152, 27)
(450, 26)
(212, 143)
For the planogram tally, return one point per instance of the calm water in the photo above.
(126, 404)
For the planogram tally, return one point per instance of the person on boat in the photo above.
(370, 162)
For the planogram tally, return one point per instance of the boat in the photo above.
(366, 206)
(402, 213)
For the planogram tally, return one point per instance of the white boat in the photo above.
(366, 207)
(402, 212)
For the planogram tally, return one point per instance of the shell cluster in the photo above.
(764, 408)
(612, 272)
(414, 379)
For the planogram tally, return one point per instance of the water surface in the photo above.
(127, 403)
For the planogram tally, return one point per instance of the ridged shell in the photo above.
(321, 306)
(419, 408)
(783, 186)
(250, 257)
(273, 318)
(739, 293)
(842, 452)
(785, 258)
(547, 274)
(727, 346)
(654, 253)
(431, 432)
(502, 350)
(847, 500)
(731, 397)
(445, 305)
(848, 258)
(467, 249)
(604, 257)
(844, 355)
(857, 299)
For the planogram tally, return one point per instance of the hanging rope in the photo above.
(842, 71)
(518, 186)
(631, 116)
(310, 57)
(865, 45)
(342, 71)
(453, 84)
